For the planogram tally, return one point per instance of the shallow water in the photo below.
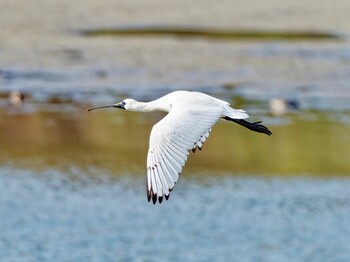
(72, 188)
(116, 141)
(48, 216)
(72, 183)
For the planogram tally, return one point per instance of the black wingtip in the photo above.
(154, 199)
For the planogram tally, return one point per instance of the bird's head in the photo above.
(127, 104)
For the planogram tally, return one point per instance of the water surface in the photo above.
(117, 141)
(48, 216)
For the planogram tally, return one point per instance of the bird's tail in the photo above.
(236, 113)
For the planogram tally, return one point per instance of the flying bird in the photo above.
(185, 128)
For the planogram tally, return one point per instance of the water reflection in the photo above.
(118, 141)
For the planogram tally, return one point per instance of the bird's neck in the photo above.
(155, 105)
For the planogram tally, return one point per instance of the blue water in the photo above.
(53, 217)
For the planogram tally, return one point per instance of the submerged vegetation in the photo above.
(209, 33)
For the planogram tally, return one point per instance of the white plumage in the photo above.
(185, 128)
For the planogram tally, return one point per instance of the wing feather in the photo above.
(180, 145)
(168, 178)
(166, 170)
(159, 170)
(159, 191)
(188, 139)
(179, 155)
(154, 185)
(171, 140)
(149, 185)
(172, 170)
(170, 157)
(160, 186)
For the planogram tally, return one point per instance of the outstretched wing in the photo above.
(171, 140)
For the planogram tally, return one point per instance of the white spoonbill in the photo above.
(186, 126)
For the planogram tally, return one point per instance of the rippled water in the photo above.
(50, 217)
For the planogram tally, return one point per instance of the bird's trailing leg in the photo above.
(255, 126)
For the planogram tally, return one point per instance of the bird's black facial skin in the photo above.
(121, 105)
